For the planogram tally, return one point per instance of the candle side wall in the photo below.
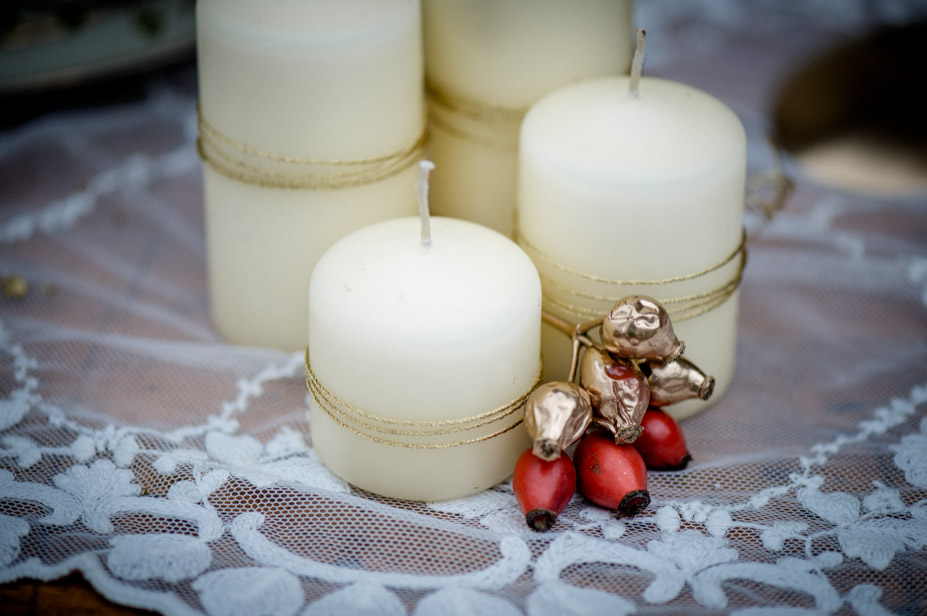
(506, 54)
(262, 244)
(354, 96)
(635, 189)
(453, 323)
(511, 53)
(329, 80)
(452, 332)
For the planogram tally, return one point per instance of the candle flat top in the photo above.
(596, 128)
(296, 22)
(460, 288)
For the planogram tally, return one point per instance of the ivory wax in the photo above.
(284, 81)
(619, 187)
(487, 61)
(423, 339)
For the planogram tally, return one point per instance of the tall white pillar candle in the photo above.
(293, 96)
(617, 188)
(487, 61)
(420, 357)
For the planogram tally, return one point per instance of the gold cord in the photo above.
(535, 251)
(474, 108)
(361, 422)
(679, 308)
(498, 123)
(250, 165)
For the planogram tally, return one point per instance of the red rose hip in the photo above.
(611, 476)
(543, 488)
(662, 443)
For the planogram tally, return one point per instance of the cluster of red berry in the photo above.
(615, 414)
(608, 474)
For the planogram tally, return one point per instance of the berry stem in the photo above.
(541, 520)
(633, 503)
(582, 328)
(577, 334)
(568, 329)
(557, 323)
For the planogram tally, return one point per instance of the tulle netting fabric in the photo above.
(177, 473)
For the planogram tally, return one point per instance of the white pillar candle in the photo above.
(287, 88)
(636, 188)
(487, 61)
(429, 339)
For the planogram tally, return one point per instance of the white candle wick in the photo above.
(637, 63)
(421, 191)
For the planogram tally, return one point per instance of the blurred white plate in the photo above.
(43, 54)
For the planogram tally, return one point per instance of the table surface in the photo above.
(147, 465)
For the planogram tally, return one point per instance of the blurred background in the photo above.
(843, 91)
(66, 54)
(835, 83)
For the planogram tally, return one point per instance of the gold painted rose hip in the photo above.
(638, 327)
(619, 393)
(556, 415)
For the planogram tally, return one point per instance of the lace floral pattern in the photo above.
(177, 473)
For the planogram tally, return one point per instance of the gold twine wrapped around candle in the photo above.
(469, 118)
(250, 165)
(368, 425)
(680, 308)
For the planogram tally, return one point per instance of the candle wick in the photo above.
(421, 191)
(637, 63)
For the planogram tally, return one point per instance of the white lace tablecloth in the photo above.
(176, 472)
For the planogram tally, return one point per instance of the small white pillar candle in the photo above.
(487, 61)
(650, 188)
(412, 346)
(283, 83)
